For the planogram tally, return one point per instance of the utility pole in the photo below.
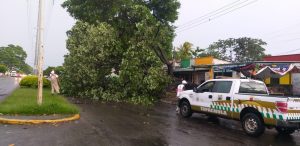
(35, 66)
(40, 46)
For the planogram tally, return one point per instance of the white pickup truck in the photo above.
(245, 100)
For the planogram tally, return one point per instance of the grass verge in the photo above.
(23, 102)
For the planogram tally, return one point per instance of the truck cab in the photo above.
(245, 100)
(13, 73)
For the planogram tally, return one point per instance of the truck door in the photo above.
(222, 97)
(204, 95)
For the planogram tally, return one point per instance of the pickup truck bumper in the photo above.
(289, 124)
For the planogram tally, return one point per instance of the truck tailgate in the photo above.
(293, 111)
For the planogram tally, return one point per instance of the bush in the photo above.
(3, 68)
(32, 82)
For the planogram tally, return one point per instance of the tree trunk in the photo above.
(170, 69)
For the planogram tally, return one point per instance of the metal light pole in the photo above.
(40, 46)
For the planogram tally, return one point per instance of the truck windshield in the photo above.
(253, 87)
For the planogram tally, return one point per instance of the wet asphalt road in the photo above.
(125, 124)
(7, 85)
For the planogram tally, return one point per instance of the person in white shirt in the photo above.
(180, 88)
(54, 82)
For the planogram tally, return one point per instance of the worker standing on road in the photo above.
(180, 88)
(54, 82)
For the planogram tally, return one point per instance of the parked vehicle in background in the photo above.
(18, 75)
(245, 100)
(13, 73)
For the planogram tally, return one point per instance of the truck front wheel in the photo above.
(185, 109)
(253, 125)
(284, 130)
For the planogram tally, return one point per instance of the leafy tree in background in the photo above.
(47, 71)
(14, 58)
(25, 69)
(3, 68)
(58, 70)
(185, 51)
(248, 49)
(221, 49)
(199, 53)
(238, 50)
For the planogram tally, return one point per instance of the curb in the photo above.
(23, 122)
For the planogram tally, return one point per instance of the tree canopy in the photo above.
(133, 37)
(95, 50)
(237, 50)
(14, 58)
(127, 16)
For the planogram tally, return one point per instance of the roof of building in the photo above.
(289, 57)
(190, 69)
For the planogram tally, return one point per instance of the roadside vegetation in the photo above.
(23, 102)
(32, 82)
(13, 57)
(133, 38)
(3, 68)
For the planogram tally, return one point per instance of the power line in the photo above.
(207, 14)
(49, 17)
(292, 39)
(288, 51)
(281, 29)
(284, 35)
(210, 14)
(212, 18)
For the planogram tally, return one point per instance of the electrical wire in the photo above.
(294, 39)
(212, 18)
(29, 28)
(284, 28)
(284, 35)
(288, 51)
(211, 14)
(207, 14)
(49, 17)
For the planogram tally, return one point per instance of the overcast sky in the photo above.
(18, 27)
(200, 22)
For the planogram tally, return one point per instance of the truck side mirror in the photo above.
(195, 89)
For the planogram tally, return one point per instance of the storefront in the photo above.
(197, 70)
(292, 79)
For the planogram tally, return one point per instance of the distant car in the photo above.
(13, 73)
(18, 75)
